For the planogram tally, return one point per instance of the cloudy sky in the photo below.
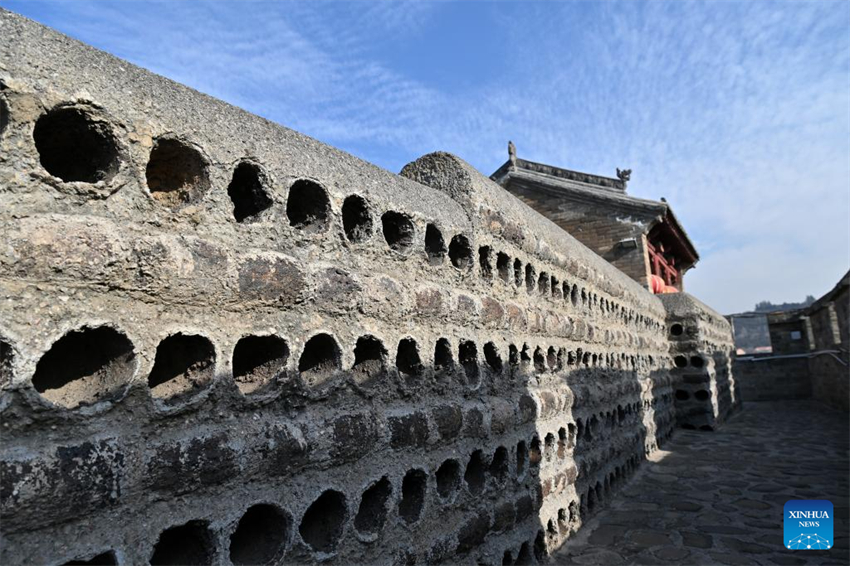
(737, 112)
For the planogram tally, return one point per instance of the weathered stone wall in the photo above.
(766, 378)
(700, 344)
(224, 342)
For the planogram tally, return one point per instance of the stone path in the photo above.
(717, 498)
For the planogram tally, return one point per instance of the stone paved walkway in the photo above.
(717, 498)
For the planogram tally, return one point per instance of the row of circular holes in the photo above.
(257, 360)
(307, 206)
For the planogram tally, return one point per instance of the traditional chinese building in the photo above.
(640, 237)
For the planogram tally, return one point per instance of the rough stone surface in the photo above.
(135, 259)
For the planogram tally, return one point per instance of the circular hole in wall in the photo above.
(356, 219)
(190, 544)
(398, 231)
(435, 246)
(320, 360)
(260, 537)
(443, 360)
(697, 361)
(75, 146)
(307, 206)
(369, 359)
(257, 361)
(85, 366)
(407, 360)
(500, 464)
(702, 395)
(448, 479)
(468, 358)
(677, 329)
(176, 173)
(248, 192)
(460, 252)
(323, 522)
(413, 490)
(474, 475)
(372, 513)
(680, 361)
(492, 357)
(4, 116)
(682, 395)
(184, 365)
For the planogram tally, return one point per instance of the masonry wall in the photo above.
(700, 344)
(830, 324)
(224, 342)
(765, 378)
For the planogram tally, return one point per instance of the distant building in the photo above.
(638, 236)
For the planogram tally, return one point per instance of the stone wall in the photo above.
(701, 346)
(225, 342)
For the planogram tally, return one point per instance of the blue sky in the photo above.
(737, 112)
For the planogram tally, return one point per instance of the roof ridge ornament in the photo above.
(624, 175)
(512, 153)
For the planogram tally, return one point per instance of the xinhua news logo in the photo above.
(808, 524)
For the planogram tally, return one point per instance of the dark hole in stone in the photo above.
(524, 556)
(413, 488)
(443, 360)
(247, 192)
(521, 457)
(513, 355)
(697, 361)
(369, 359)
(103, 559)
(407, 360)
(523, 355)
(184, 363)
(530, 279)
(435, 247)
(574, 295)
(74, 146)
(562, 442)
(539, 361)
(372, 512)
(6, 362)
(707, 428)
(551, 528)
(4, 116)
(460, 252)
(468, 358)
(517, 273)
(540, 551)
(583, 296)
(680, 361)
(356, 219)
(257, 361)
(503, 266)
(491, 355)
(485, 261)
(83, 367)
(556, 288)
(189, 544)
(176, 173)
(499, 465)
(398, 231)
(688, 426)
(549, 444)
(307, 206)
(543, 284)
(474, 475)
(260, 537)
(448, 479)
(677, 329)
(552, 358)
(322, 523)
(534, 455)
(702, 395)
(507, 558)
(320, 360)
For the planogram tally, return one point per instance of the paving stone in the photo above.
(746, 547)
(696, 540)
(606, 535)
(786, 560)
(647, 538)
(672, 554)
